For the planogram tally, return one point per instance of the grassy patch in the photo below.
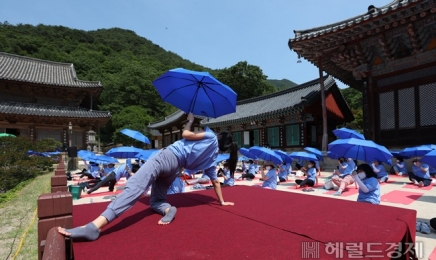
(17, 213)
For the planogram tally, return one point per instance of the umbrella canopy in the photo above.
(135, 135)
(265, 154)
(431, 146)
(102, 159)
(316, 152)
(396, 154)
(222, 157)
(333, 155)
(285, 157)
(146, 154)
(123, 152)
(430, 158)
(245, 152)
(415, 151)
(6, 135)
(358, 149)
(85, 154)
(196, 92)
(303, 156)
(345, 133)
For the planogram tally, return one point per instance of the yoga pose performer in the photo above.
(195, 151)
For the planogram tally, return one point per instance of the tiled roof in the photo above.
(31, 70)
(318, 31)
(174, 117)
(30, 109)
(278, 103)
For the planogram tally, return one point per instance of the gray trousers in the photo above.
(159, 172)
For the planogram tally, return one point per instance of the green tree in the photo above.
(134, 118)
(354, 101)
(246, 80)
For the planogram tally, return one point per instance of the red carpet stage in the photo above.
(263, 224)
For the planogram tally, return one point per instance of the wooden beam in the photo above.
(323, 105)
(54, 246)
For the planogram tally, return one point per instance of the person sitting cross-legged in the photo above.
(420, 175)
(228, 176)
(270, 177)
(251, 172)
(283, 172)
(310, 180)
(400, 167)
(380, 170)
(369, 187)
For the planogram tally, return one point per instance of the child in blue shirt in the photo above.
(228, 177)
(400, 167)
(197, 150)
(270, 178)
(420, 174)
(310, 179)
(369, 187)
(283, 172)
(380, 170)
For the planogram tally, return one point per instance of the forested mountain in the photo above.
(282, 84)
(126, 64)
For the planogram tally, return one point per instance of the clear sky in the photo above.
(215, 34)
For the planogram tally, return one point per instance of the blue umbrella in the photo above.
(136, 135)
(265, 154)
(84, 154)
(222, 157)
(358, 149)
(245, 152)
(415, 151)
(303, 156)
(102, 159)
(146, 154)
(123, 152)
(285, 157)
(345, 133)
(430, 158)
(316, 152)
(196, 92)
(332, 155)
(242, 158)
(396, 154)
(431, 146)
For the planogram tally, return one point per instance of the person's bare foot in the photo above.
(420, 184)
(169, 216)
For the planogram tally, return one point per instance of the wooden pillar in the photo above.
(323, 106)
(366, 109)
(372, 105)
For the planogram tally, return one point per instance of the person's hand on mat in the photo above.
(227, 203)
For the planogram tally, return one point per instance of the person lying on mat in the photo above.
(310, 179)
(283, 172)
(270, 177)
(92, 171)
(178, 185)
(420, 174)
(251, 172)
(379, 169)
(369, 187)
(400, 167)
(342, 178)
(228, 176)
(197, 150)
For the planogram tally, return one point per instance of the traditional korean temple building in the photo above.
(288, 119)
(40, 99)
(388, 53)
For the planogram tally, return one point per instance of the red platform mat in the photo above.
(401, 197)
(273, 225)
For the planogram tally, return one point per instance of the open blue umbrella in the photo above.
(146, 154)
(136, 135)
(303, 156)
(222, 157)
(84, 154)
(316, 152)
(265, 154)
(101, 159)
(123, 152)
(285, 157)
(431, 146)
(396, 154)
(430, 158)
(196, 92)
(245, 152)
(415, 151)
(345, 133)
(332, 155)
(358, 149)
